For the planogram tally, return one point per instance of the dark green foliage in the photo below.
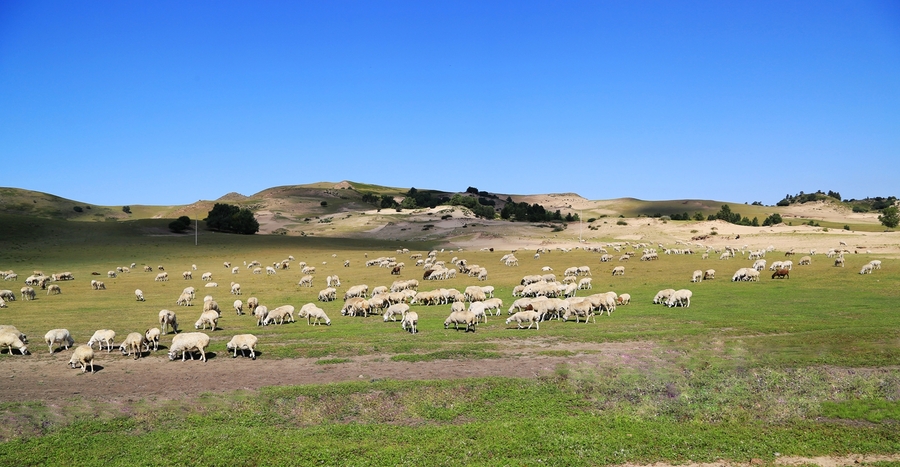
(524, 212)
(126, 209)
(755, 222)
(756, 203)
(726, 215)
(232, 219)
(323, 203)
(846, 227)
(387, 201)
(890, 217)
(422, 199)
(370, 198)
(78, 209)
(772, 220)
(680, 217)
(621, 223)
(470, 202)
(472, 190)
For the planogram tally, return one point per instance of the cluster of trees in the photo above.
(232, 219)
(726, 215)
(480, 210)
(422, 199)
(524, 212)
(807, 197)
(698, 216)
(180, 225)
(773, 219)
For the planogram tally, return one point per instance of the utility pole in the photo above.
(196, 228)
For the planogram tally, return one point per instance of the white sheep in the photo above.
(53, 288)
(280, 314)
(83, 356)
(133, 343)
(239, 307)
(697, 276)
(839, 261)
(211, 284)
(168, 319)
(260, 313)
(306, 281)
(58, 336)
(410, 322)
(867, 269)
(187, 275)
(188, 342)
(461, 317)
(680, 298)
(709, 274)
(107, 336)
(151, 337)
(243, 342)
(618, 271)
(530, 317)
(876, 263)
(235, 288)
(235, 270)
(227, 264)
(327, 294)
(111, 274)
(189, 290)
(585, 283)
(27, 293)
(394, 310)
(209, 317)
(161, 277)
(663, 296)
(270, 270)
(624, 299)
(184, 299)
(805, 261)
(477, 308)
(314, 314)
(8, 295)
(13, 339)
(139, 295)
(207, 276)
(252, 303)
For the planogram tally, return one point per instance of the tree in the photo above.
(126, 209)
(774, 219)
(698, 216)
(387, 201)
(323, 203)
(233, 219)
(890, 217)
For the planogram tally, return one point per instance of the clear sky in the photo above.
(168, 102)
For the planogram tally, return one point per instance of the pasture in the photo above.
(749, 370)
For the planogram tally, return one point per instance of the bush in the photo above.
(846, 227)
(591, 220)
(232, 219)
(890, 217)
(323, 203)
(78, 209)
(621, 223)
(126, 209)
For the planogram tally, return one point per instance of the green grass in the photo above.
(748, 370)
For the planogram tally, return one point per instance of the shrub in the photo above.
(621, 223)
(890, 217)
(126, 209)
(846, 227)
(78, 209)
(233, 219)
(323, 203)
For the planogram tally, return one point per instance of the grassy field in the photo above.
(804, 366)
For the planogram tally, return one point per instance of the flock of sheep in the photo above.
(537, 298)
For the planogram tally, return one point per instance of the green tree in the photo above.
(890, 217)
(232, 219)
(698, 216)
(126, 209)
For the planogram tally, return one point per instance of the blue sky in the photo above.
(170, 102)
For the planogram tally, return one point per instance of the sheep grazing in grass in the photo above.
(252, 303)
(227, 264)
(395, 310)
(161, 277)
(680, 298)
(876, 263)
(82, 356)
(867, 269)
(315, 314)
(139, 295)
(12, 340)
(805, 261)
(206, 277)
(208, 317)
(623, 299)
(306, 281)
(781, 274)
(27, 293)
(103, 336)
(239, 307)
(235, 270)
(148, 269)
(697, 276)
(151, 338)
(111, 274)
(188, 342)
(410, 322)
(8, 295)
(187, 275)
(235, 288)
(168, 319)
(211, 284)
(58, 336)
(709, 274)
(839, 261)
(530, 317)
(243, 342)
(261, 312)
(133, 344)
(618, 271)
(466, 318)
(184, 299)
(54, 289)
(14, 330)
(328, 294)
(280, 314)
(663, 296)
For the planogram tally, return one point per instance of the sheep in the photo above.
(184, 299)
(278, 315)
(111, 274)
(355, 306)
(680, 298)
(148, 269)
(393, 310)
(27, 293)
(161, 268)
(759, 264)
(789, 265)
(58, 336)
(493, 304)
(805, 261)
(781, 274)
(663, 296)
(458, 306)
(261, 312)
(187, 275)
(624, 299)
(107, 336)
(13, 339)
(584, 271)
(328, 294)
(207, 276)
(187, 343)
(161, 277)
(461, 317)
(876, 263)
(530, 317)
(139, 295)
(151, 337)
(243, 342)
(211, 305)
(209, 317)
(189, 290)
(227, 264)
(474, 293)
(235, 288)
(83, 356)
(356, 291)
(410, 322)
(314, 314)
(98, 285)
(239, 307)
(211, 284)
(477, 308)
(306, 281)
(709, 274)
(252, 303)
(585, 283)
(839, 261)
(867, 269)
(308, 270)
(166, 319)
(618, 271)
(578, 308)
(257, 271)
(488, 291)
(8, 295)
(697, 276)
(235, 270)
(53, 288)
(134, 342)
(194, 267)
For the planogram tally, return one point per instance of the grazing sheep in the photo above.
(493, 304)
(207, 276)
(477, 308)
(394, 310)
(357, 291)
(270, 270)
(585, 283)
(709, 274)
(227, 264)
(58, 336)
(280, 314)
(12, 339)
(168, 319)
(83, 356)
(8, 295)
(151, 337)
(188, 342)
(680, 298)
(867, 269)
(697, 276)
(187, 275)
(14, 330)
(461, 317)
(578, 308)
(306, 281)
(260, 312)
(530, 317)
(239, 307)
(257, 271)
(782, 274)
(139, 295)
(148, 269)
(314, 314)
(243, 342)
(328, 294)
(184, 299)
(839, 261)
(663, 296)
(235, 270)
(161, 277)
(189, 290)
(194, 267)
(459, 306)
(789, 265)
(623, 299)
(805, 261)
(133, 343)
(211, 284)
(252, 303)
(209, 317)
(876, 263)
(235, 288)
(211, 305)
(410, 322)
(618, 271)
(161, 268)
(98, 285)
(53, 288)
(107, 336)
(111, 274)
(27, 293)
